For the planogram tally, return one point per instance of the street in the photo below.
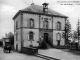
(16, 56)
(62, 54)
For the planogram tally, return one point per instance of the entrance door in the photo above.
(58, 43)
(46, 37)
(16, 47)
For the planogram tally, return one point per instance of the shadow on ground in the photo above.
(75, 52)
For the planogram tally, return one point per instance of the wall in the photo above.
(26, 37)
(18, 19)
(55, 31)
(56, 19)
(26, 29)
(26, 17)
(42, 17)
(62, 42)
(18, 42)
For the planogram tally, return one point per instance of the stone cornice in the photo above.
(20, 11)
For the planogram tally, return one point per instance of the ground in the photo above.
(62, 54)
(16, 56)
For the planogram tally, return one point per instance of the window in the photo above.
(16, 36)
(16, 24)
(58, 26)
(31, 23)
(16, 47)
(45, 25)
(58, 36)
(31, 35)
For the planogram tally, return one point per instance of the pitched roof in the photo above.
(39, 9)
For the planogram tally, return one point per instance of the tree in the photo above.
(11, 37)
(75, 35)
(67, 31)
(78, 29)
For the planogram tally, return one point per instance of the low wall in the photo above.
(29, 50)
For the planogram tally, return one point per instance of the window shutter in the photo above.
(34, 24)
(28, 36)
(28, 23)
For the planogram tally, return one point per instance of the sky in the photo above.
(8, 8)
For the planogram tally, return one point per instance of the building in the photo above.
(36, 23)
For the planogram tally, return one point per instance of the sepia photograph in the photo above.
(39, 29)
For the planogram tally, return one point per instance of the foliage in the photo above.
(67, 31)
(68, 26)
(75, 35)
(78, 29)
(11, 37)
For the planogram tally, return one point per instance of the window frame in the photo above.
(31, 35)
(58, 25)
(58, 35)
(44, 24)
(16, 25)
(31, 23)
(16, 36)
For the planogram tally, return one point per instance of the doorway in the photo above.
(46, 37)
(16, 47)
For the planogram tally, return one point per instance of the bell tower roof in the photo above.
(45, 4)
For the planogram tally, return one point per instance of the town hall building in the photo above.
(37, 26)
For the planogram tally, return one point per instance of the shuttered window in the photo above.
(16, 25)
(31, 35)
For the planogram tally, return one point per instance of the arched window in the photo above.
(58, 36)
(45, 25)
(58, 25)
(32, 23)
(31, 35)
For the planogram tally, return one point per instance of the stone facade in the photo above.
(45, 26)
